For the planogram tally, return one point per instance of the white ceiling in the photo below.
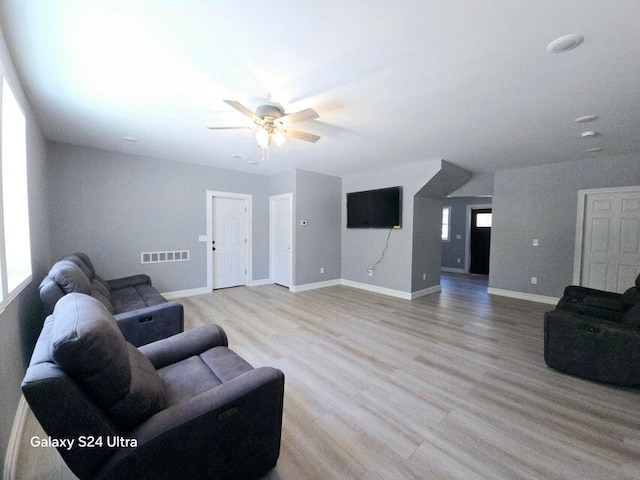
(394, 82)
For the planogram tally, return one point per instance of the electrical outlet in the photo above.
(370, 272)
(534, 280)
(321, 269)
(458, 260)
(535, 242)
(424, 276)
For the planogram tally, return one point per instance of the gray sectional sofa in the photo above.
(143, 315)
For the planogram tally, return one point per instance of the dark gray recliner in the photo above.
(182, 407)
(600, 303)
(594, 348)
(142, 314)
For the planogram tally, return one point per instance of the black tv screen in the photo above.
(380, 208)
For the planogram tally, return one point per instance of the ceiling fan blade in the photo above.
(307, 137)
(242, 109)
(229, 128)
(301, 116)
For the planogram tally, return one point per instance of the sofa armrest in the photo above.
(216, 434)
(149, 324)
(124, 282)
(184, 345)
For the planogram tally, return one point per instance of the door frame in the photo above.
(210, 195)
(467, 240)
(272, 198)
(582, 206)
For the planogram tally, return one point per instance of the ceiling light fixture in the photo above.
(586, 118)
(565, 43)
(589, 134)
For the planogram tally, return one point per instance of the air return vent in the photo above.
(162, 257)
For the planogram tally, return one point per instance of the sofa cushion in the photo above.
(97, 294)
(87, 261)
(145, 396)
(102, 281)
(149, 295)
(68, 276)
(126, 300)
(87, 343)
(632, 317)
(81, 265)
(101, 288)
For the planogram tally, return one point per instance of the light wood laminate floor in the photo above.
(449, 386)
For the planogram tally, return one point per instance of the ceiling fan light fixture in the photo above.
(263, 138)
(278, 138)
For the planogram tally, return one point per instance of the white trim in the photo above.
(582, 204)
(260, 282)
(452, 270)
(467, 239)
(14, 293)
(272, 198)
(426, 291)
(314, 286)
(192, 292)
(13, 447)
(210, 194)
(523, 296)
(375, 289)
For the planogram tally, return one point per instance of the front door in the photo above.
(229, 242)
(480, 241)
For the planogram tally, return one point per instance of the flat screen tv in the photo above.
(380, 208)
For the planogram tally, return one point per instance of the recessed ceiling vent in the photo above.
(565, 43)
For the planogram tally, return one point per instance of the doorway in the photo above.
(281, 239)
(480, 240)
(608, 238)
(229, 239)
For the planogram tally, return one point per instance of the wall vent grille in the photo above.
(162, 257)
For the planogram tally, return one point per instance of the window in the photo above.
(15, 257)
(446, 223)
(483, 220)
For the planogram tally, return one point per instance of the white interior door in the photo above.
(611, 240)
(280, 227)
(229, 238)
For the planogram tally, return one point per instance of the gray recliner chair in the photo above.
(183, 407)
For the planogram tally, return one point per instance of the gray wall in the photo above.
(427, 243)
(21, 321)
(361, 248)
(455, 248)
(541, 202)
(318, 200)
(113, 206)
(480, 185)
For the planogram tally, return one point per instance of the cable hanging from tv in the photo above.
(384, 250)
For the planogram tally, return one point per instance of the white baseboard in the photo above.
(13, 448)
(452, 270)
(257, 283)
(376, 289)
(313, 286)
(523, 296)
(425, 291)
(186, 293)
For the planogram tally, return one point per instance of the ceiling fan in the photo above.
(272, 123)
